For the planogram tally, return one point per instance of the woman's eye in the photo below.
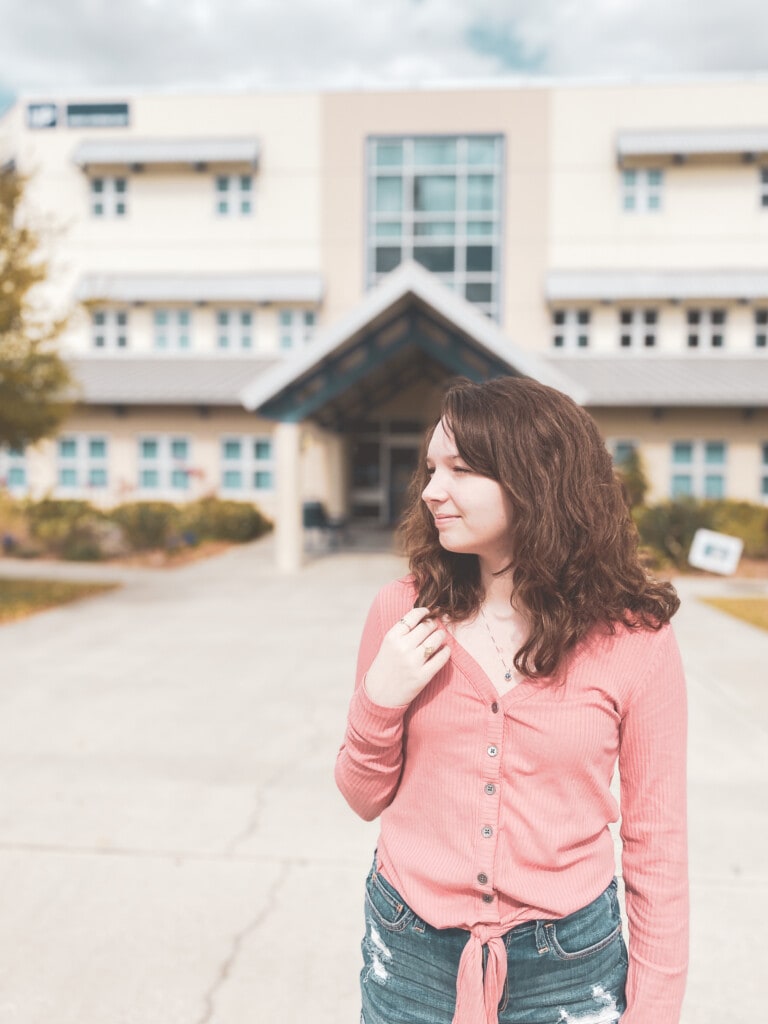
(430, 470)
(461, 469)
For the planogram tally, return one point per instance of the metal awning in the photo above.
(741, 143)
(197, 288)
(655, 285)
(138, 153)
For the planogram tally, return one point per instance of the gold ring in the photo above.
(429, 650)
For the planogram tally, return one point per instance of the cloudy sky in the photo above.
(62, 46)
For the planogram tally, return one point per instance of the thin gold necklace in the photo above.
(508, 670)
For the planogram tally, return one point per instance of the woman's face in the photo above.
(472, 513)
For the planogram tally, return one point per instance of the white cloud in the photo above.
(303, 43)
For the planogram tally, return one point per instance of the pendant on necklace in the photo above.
(507, 675)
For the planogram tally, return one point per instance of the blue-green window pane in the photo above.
(764, 490)
(183, 341)
(98, 209)
(435, 227)
(222, 318)
(245, 206)
(97, 478)
(654, 178)
(17, 453)
(262, 480)
(233, 479)
(17, 477)
(389, 229)
(262, 449)
(682, 485)
(479, 257)
(286, 317)
(714, 453)
(67, 447)
(481, 151)
(246, 341)
(183, 318)
(440, 259)
(441, 152)
(161, 341)
(389, 154)
(179, 449)
(97, 185)
(97, 448)
(122, 319)
(388, 195)
(161, 317)
(654, 202)
(99, 319)
(246, 319)
(148, 449)
(222, 206)
(478, 291)
(714, 485)
(476, 228)
(309, 317)
(68, 477)
(286, 341)
(179, 480)
(232, 449)
(630, 178)
(222, 183)
(223, 341)
(149, 478)
(481, 192)
(682, 452)
(434, 193)
(765, 454)
(622, 452)
(629, 202)
(245, 182)
(387, 257)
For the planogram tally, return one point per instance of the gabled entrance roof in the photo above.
(409, 327)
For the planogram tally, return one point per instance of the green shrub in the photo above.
(744, 520)
(668, 528)
(70, 529)
(147, 524)
(215, 519)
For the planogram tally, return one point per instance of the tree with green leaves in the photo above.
(34, 380)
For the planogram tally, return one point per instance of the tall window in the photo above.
(247, 464)
(172, 328)
(637, 328)
(570, 328)
(698, 469)
(164, 463)
(13, 469)
(297, 327)
(705, 328)
(109, 328)
(764, 187)
(234, 329)
(109, 197)
(761, 328)
(621, 451)
(437, 200)
(234, 195)
(82, 462)
(642, 189)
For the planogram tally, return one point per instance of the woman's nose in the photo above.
(433, 489)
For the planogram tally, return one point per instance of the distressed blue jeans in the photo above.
(568, 971)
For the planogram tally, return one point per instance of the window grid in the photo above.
(705, 328)
(235, 329)
(437, 200)
(764, 187)
(164, 463)
(698, 469)
(234, 195)
(109, 328)
(761, 328)
(172, 329)
(82, 462)
(296, 327)
(621, 450)
(642, 190)
(109, 196)
(13, 469)
(570, 328)
(638, 328)
(247, 464)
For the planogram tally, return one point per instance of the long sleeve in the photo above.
(652, 766)
(370, 760)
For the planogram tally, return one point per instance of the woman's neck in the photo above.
(497, 590)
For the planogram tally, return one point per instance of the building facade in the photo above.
(270, 291)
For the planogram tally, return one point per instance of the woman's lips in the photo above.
(441, 520)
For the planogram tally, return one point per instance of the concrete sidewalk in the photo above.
(172, 847)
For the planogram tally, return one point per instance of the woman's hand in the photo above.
(411, 653)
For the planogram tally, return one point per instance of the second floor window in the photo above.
(642, 189)
(109, 328)
(297, 327)
(638, 328)
(570, 328)
(705, 328)
(698, 469)
(109, 197)
(234, 195)
(764, 187)
(761, 328)
(172, 329)
(234, 329)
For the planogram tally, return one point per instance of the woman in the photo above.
(497, 687)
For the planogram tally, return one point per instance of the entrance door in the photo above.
(403, 459)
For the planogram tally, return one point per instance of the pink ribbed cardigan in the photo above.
(516, 789)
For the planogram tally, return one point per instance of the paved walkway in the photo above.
(172, 848)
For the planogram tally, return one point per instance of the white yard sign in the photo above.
(715, 552)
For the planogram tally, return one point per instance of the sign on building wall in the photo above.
(42, 115)
(97, 115)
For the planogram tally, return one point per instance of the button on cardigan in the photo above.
(495, 809)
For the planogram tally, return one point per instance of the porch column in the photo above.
(289, 529)
(336, 467)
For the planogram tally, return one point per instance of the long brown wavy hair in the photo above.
(575, 562)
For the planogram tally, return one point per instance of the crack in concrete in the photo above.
(239, 939)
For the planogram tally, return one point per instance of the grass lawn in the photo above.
(753, 610)
(23, 597)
